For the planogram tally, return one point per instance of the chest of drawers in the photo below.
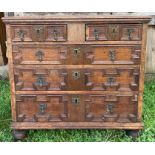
(76, 72)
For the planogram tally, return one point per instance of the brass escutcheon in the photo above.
(75, 100)
(76, 75)
(76, 52)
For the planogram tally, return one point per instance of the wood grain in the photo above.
(76, 32)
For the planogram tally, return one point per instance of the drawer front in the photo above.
(46, 108)
(105, 79)
(54, 55)
(40, 79)
(111, 108)
(112, 79)
(131, 32)
(113, 32)
(99, 54)
(27, 33)
(96, 32)
(75, 108)
(76, 54)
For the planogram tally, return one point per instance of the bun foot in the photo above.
(18, 134)
(132, 133)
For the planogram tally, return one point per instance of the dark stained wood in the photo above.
(3, 39)
(76, 72)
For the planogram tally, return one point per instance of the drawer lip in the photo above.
(45, 45)
(129, 93)
(76, 66)
(80, 43)
(77, 125)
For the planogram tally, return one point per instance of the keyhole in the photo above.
(76, 101)
(76, 52)
(76, 74)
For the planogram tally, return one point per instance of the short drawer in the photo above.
(76, 54)
(77, 108)
(112, 32)
(28, 33)
(72, 79)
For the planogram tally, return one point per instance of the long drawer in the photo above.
(79, 107)
(76, 54)
(102, 78)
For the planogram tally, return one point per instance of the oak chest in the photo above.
(76, 72)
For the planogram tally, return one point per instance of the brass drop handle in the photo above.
(110, 108)
(96, 34)
(114, 32)
(129, 32)
(42, 108)
(39, 54)
(21, 34)
(75, 100)
(76, 75)
(112, 55)
(38, 30)
(55, 34)
(40, 81)
(111, 80)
